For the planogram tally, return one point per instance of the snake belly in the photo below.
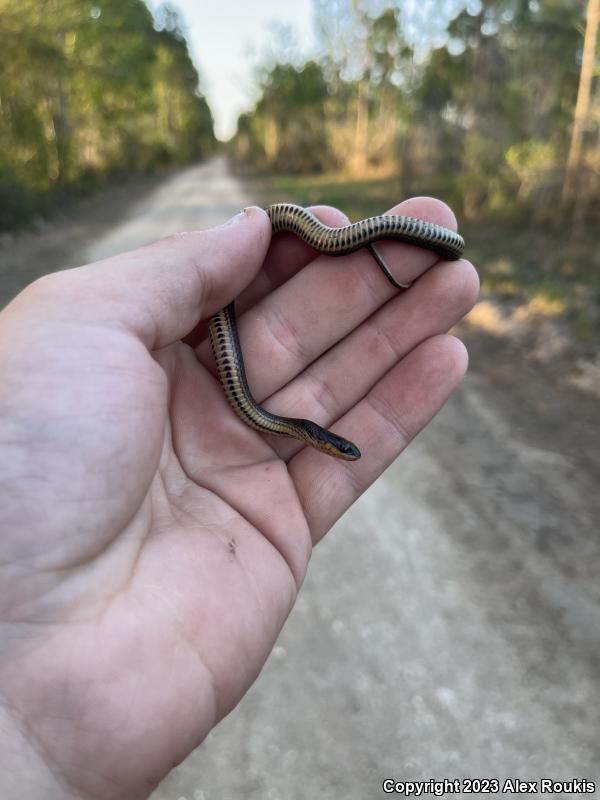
(223, 331)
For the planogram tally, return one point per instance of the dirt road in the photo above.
(450, 624)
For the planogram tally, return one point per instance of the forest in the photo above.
(499, 119)
(91, 91)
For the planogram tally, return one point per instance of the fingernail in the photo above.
(235, 219)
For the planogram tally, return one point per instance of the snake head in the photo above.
(344, 449)
(330, 443)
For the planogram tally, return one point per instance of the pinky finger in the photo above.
(382, 424)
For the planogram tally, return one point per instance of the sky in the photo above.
(229, 38)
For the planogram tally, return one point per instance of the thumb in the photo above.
(160, 292)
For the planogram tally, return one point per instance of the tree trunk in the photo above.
(571, 184)
(358, 164)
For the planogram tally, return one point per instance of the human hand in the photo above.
(151, 544)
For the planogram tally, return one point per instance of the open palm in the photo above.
(152, 545)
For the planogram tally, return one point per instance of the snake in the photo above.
(223, 329)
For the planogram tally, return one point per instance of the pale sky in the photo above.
(228, 38)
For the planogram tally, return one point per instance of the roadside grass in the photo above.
(551, 271)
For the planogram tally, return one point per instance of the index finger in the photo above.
(287, 255)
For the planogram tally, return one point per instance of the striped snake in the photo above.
(223, 330)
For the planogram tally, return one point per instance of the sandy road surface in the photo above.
(450, 624)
